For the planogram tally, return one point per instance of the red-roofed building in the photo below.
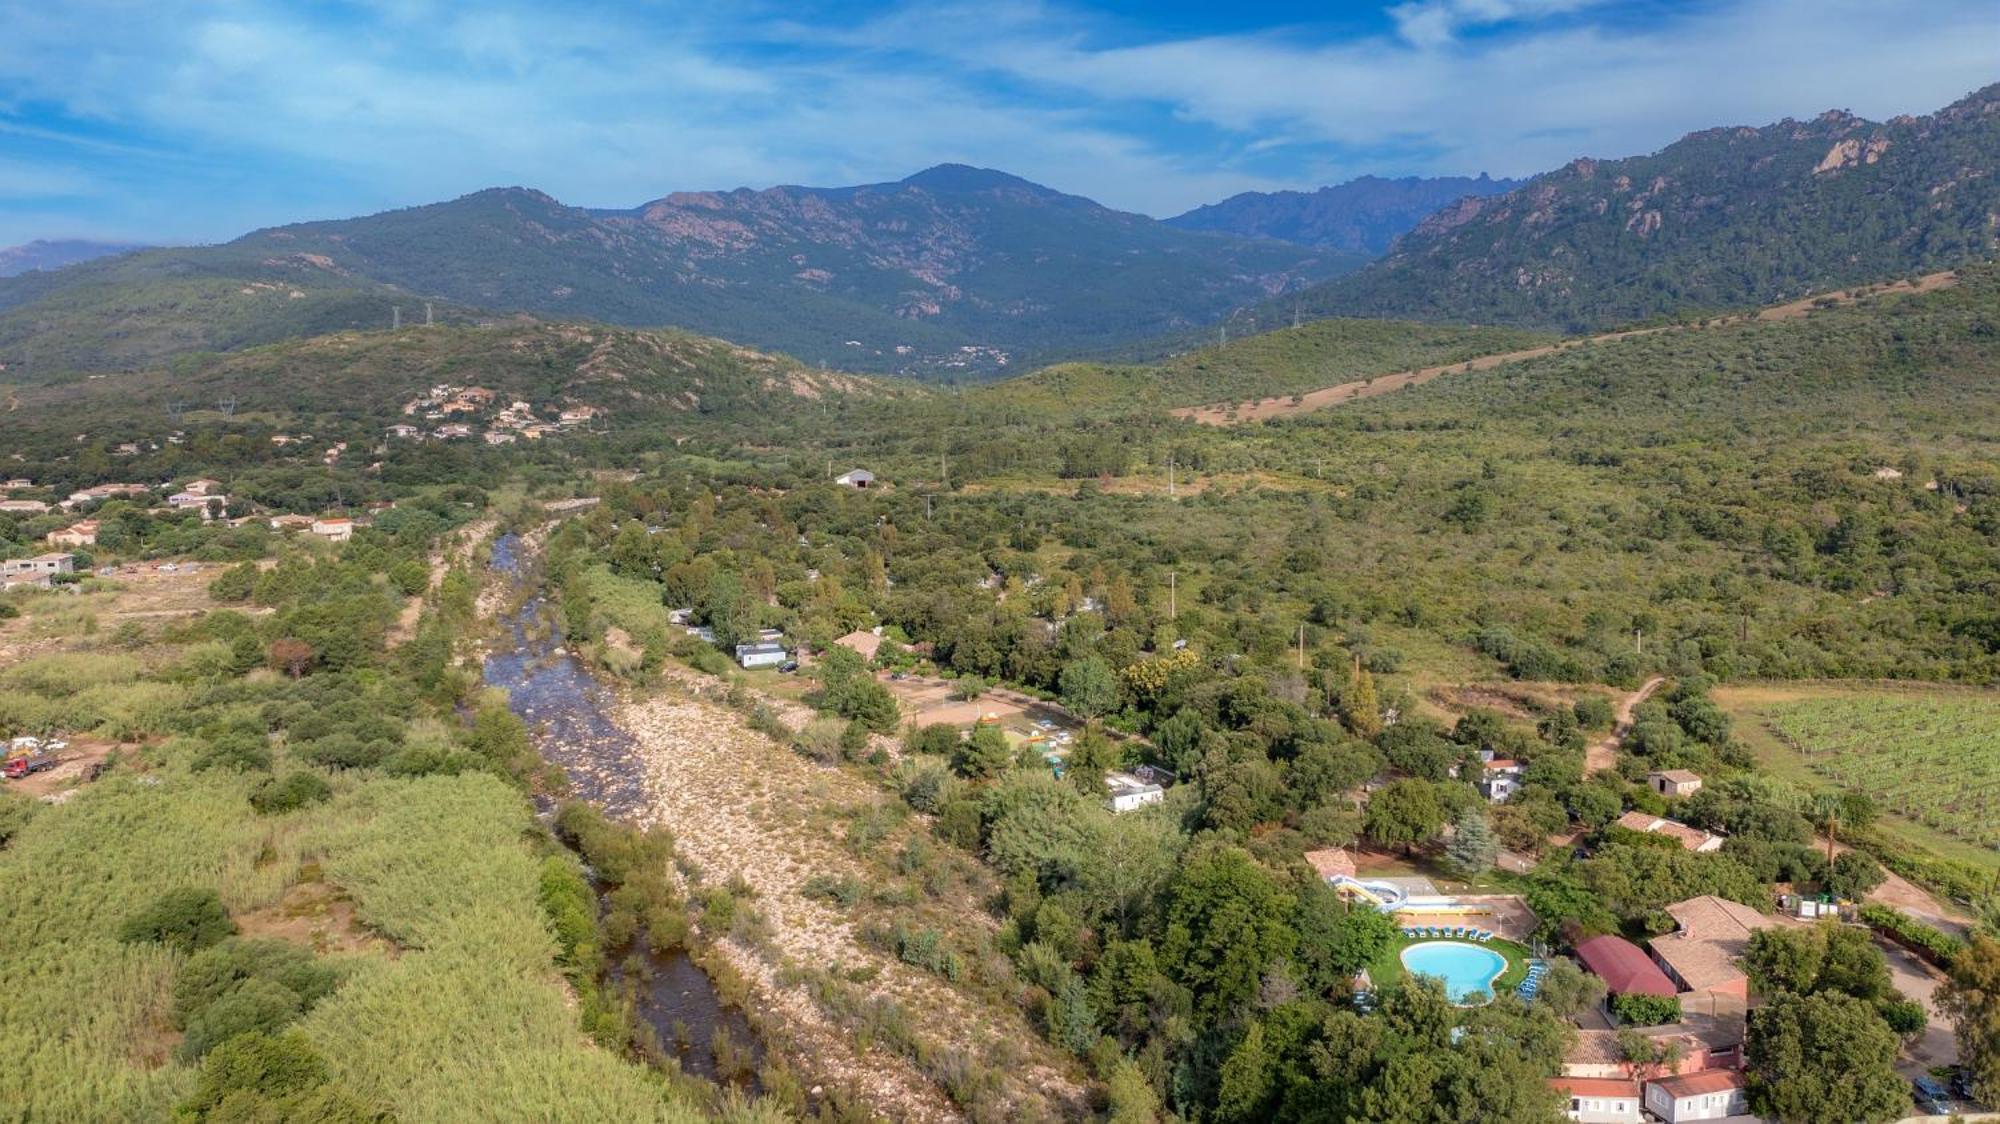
(1625, 968)
(1599, 1100)
(1712, 1094)
(1331, 863)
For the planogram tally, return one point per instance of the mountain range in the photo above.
(954, 269)
(1363, 216)
(959, 272)
(57, 253)
(1723, 218)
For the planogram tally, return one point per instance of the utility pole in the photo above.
(1639, 640)
(396, 318)
(427, 314)
(1170, 477)
(1295, 314)
(1302, 647)
(1173, 595)
(927, 506)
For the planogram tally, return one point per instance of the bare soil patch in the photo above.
(314, 915)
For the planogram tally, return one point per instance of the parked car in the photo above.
(1931, 1095)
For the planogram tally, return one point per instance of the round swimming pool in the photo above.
(1468, 970)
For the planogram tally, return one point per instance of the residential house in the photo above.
(499, 439)
(1499, 778)
(764, 653)
(577, 415)
(1624, 967)
(17, 483)
(405, 431)
(453, 431)
(41, 566)
(1674, 782)
(1599, 1100)
(1692, 838)
(1128, 792)
(1714, 1094)
(202, 487)
(863, 643)
(333, 529)
(207, 503)
(291, 522)
(857, 478)
(24, 507)
(1710, 935)
(81, 533)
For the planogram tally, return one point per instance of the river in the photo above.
(569, 713)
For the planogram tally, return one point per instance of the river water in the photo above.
(569, 713)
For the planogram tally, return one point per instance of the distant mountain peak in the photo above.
(1364, 215)
(965, 177)
(55, 253)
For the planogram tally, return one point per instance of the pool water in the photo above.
(1468, 971)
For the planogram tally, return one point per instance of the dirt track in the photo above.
(1230, 413)
(1604, 753)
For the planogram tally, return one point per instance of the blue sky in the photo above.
(165, 121)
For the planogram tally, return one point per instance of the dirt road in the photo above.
(1231, 413)
(1604, 754)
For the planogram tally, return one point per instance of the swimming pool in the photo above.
(1468, 971)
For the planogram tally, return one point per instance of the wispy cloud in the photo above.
(200, 120)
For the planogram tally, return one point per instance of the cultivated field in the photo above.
(1929, 757)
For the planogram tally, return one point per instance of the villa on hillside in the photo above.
(857, 478)
(1128, 792)
(1499, 777)
(83, 532)
(1692, 838)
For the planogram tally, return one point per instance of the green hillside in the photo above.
(1281, 362)
(1724, 218)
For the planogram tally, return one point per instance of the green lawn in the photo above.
(1386, 970)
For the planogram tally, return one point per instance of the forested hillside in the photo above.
(952, 272)
(1723, 218)
(350, 385)
(57, 253)
(1364, 215)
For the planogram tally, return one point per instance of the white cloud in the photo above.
(291, 113)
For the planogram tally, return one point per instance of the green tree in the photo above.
(1472, 849)
(1089, 687)
(1404, 813)
(1228, 921)
(1823, 1057)
(1246, 1085)
(984, 755)
(1970, 998)
(1854, 874)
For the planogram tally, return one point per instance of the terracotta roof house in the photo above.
(1599, 1100)
(1692, 838)
(1331, 863)
(83, 532)
(861, 642)
(1712, 1094)
(1624, 967)
(1710, 935)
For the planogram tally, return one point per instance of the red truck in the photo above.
(30, 765)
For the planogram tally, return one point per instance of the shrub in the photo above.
(240, 751)
(189, 920)
(1933, 944)
(217, 971)
(253, 1068)
(1646, 1010)
(298, 789)
(254, 1006)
